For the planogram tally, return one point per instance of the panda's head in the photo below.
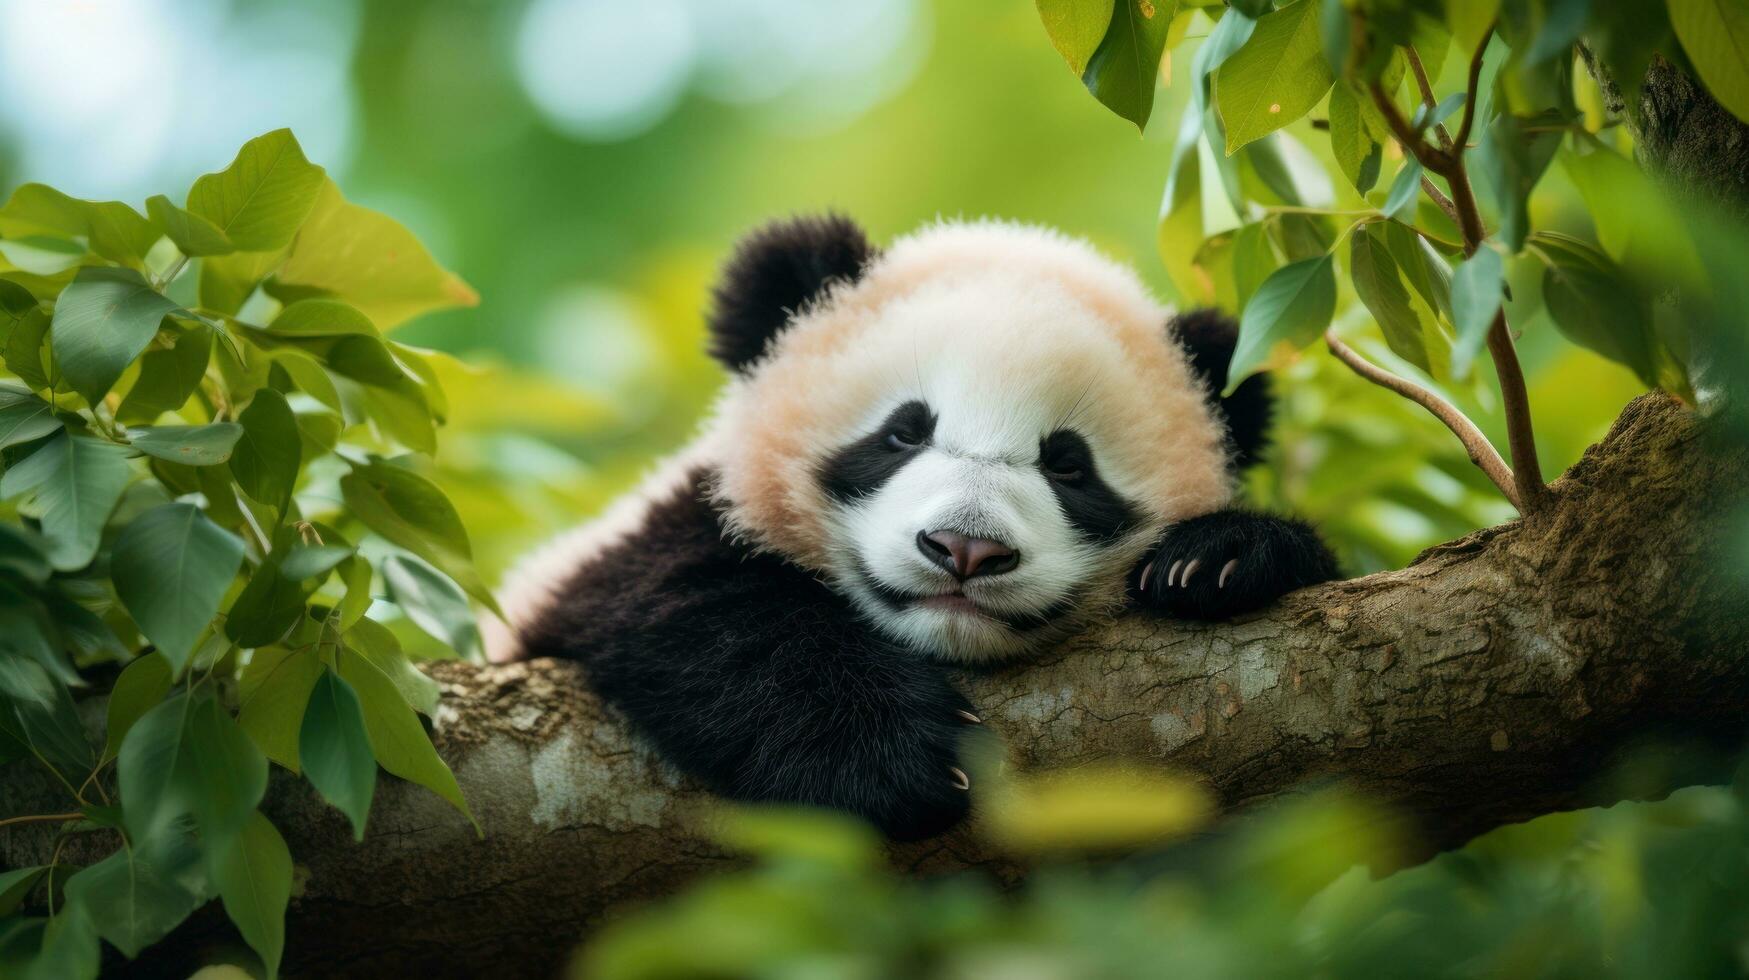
(973, 435)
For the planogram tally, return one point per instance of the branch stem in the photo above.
(1481, 451)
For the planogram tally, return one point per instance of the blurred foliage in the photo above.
(212, 466)
(1635, 890)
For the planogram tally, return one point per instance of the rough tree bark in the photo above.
(1494, 679)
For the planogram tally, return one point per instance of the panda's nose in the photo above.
(966, 557)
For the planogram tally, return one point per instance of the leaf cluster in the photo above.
(214, 460)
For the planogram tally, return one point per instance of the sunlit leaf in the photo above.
(1096, 809)
(1357, 153)
(1407, 324)
(1279, 75)
(261, 199)
(193, 234)
(1594, 305)
(1715, 35)
(172, 567)
(372, 640)
(1075, 27)
(369, 261)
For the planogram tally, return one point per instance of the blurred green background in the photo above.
(586, 163)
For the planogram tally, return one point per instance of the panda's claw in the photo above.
(1147, 570)
(1189, 570)
(1172, 573)
(968, 717)
(961, 781)
(1227, 572)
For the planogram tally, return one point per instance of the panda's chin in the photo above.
(957, 627)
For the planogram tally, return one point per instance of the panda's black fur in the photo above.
(752, 675)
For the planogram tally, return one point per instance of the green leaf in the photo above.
(1124, 70)
(271, 604)
(1476, 297)
(1379, 283)
(116, 232)
(1508, 163)
(1593, 305)
(254, 880)
(1357, 153)
(187, 756)
(1469, 21)
(227, 281)
(133, 900)
(266, 460)
(410, 511)
(368, 260)
(195, 445)
(371, 639)
(172, 567)
(1425, 269)
(75, 482)
(1075, 28)
(335, 749)
(42, 255)
(16, 884)
(1276, 78)
(274, 689)
(22, 553)
(23, 350)
(1404, 190)
(168, 377)
(396, 737)
(193, 234)
(320, 318)
(1293, 306)
(45, 716)
(140, 687)
(103, 320)
(263, 198)
(309, 376)
(23, 416)
(1556, 26)
(27, 629)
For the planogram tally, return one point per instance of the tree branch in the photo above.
(1427, 97)
(1482, 452)
(1491, 681)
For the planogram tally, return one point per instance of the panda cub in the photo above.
(956, 451)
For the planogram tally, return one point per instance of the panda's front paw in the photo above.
(1229, 562)
(892, 760)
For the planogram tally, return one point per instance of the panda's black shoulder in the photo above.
(675, 583)
(1209, 338)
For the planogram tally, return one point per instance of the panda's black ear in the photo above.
(1209, 337)
(774, 273)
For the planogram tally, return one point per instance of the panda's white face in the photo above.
(973, 526)
(974, 442)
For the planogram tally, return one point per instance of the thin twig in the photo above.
(1427, 98)
(1462, 139)
(42, 818)
(1481, 451)
(1439, 198)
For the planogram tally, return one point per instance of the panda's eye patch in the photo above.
(1064, 456)
(908, 427)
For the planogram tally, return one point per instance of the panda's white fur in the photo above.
(1007, 332)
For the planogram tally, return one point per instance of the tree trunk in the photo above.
(1494, 679)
